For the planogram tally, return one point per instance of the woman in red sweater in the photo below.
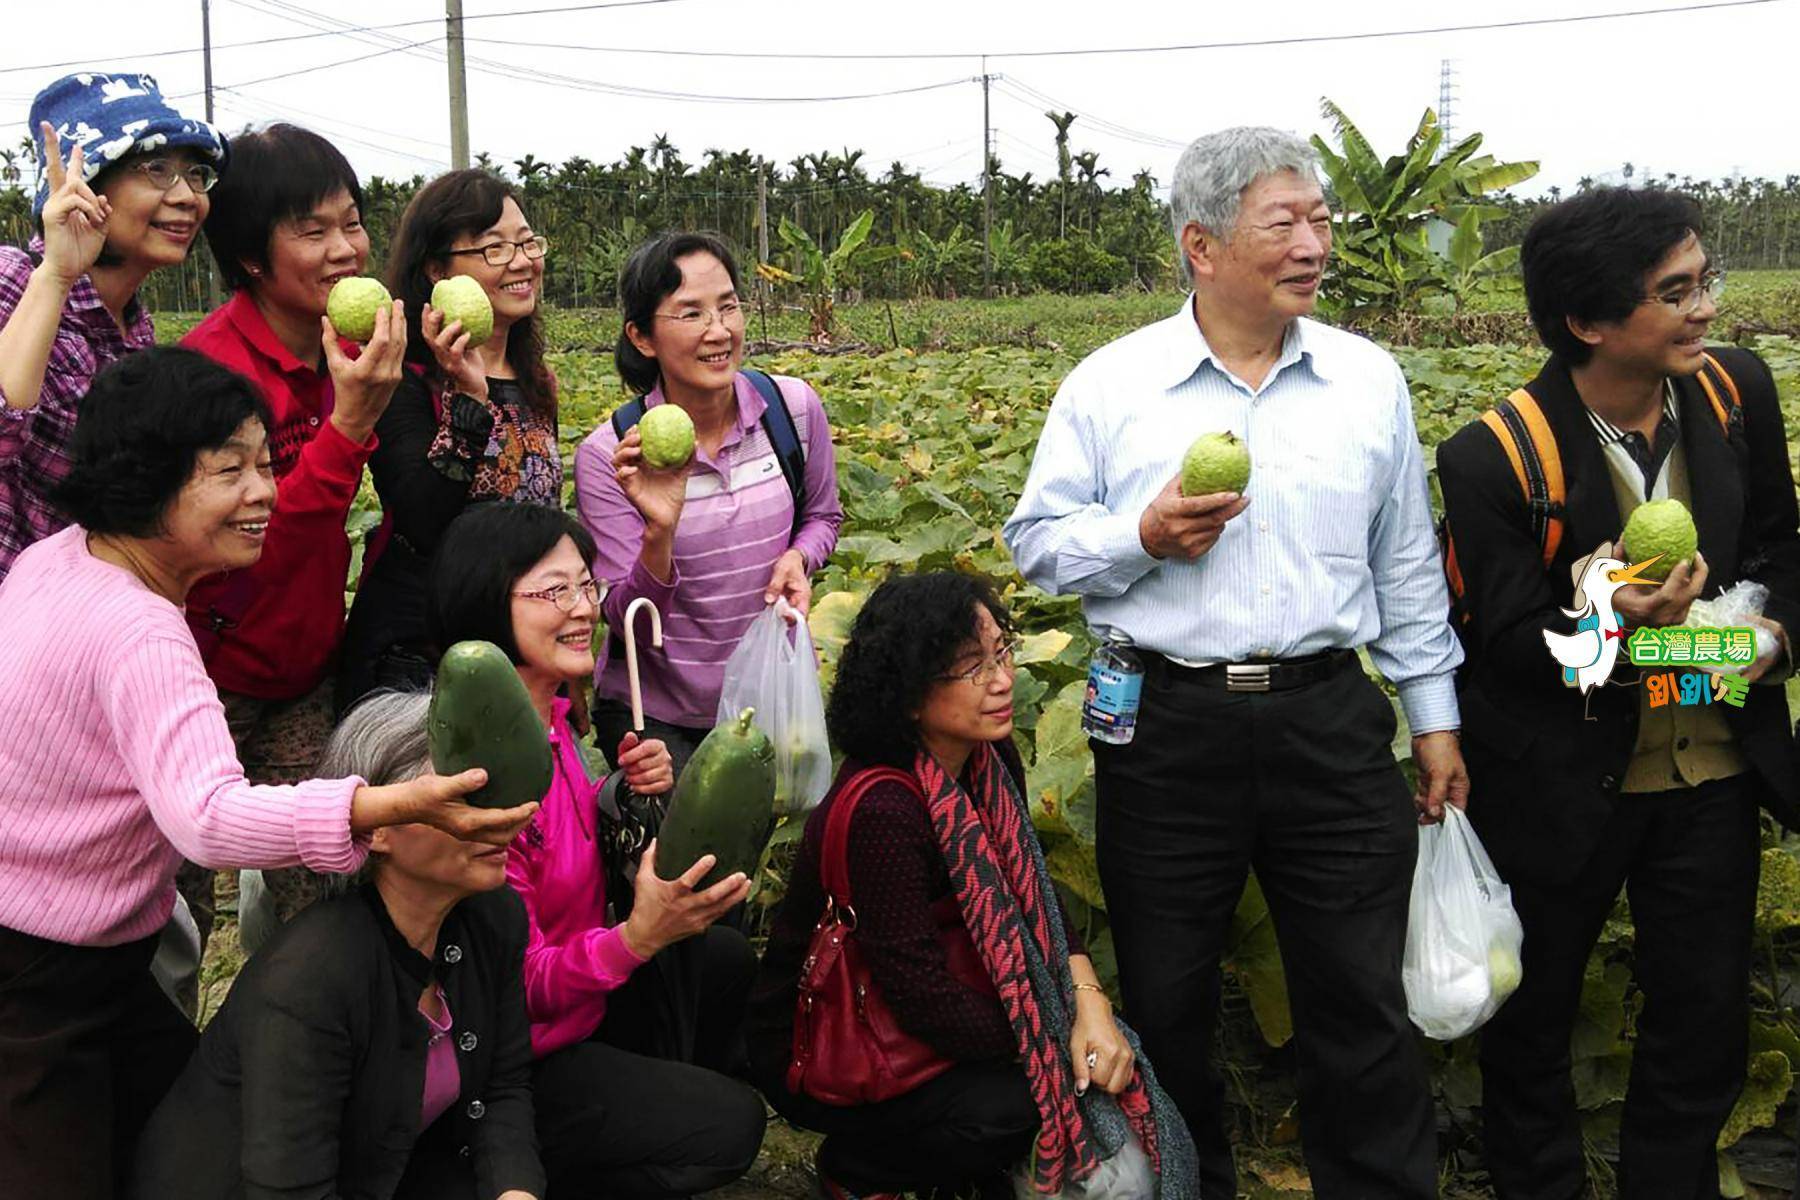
(635, 995)
(961, 931)
(283, 230)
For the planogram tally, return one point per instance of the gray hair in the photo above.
(384, 740)
(1217, 168)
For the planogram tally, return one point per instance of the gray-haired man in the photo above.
(1261, 742)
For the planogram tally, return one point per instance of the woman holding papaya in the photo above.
(632, 1016)
(1006, 1048)
(748, 522)
(468, 422)
(116, 761)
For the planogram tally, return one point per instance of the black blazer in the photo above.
(308, 1083)
(1545, 763)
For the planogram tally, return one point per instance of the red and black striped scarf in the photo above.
(997, 872)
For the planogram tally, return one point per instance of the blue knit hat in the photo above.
(111, 116)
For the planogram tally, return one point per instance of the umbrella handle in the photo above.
(631, 661)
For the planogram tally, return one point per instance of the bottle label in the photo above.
(1113, 696)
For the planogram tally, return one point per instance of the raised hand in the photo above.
(363, 385)
(1177, 526)
(74, 216)
(657, 495)
(462, 364)
(664, 912)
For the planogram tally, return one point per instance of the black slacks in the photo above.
(612, 720)
(1300, 785)
(641, 1110)
(965, 1128)
(1688, 860)
(88, 1046)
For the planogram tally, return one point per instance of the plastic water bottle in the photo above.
(1115, 688)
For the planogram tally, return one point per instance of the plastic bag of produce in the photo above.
(1462, 937)
(774, 671)
(1739, 605)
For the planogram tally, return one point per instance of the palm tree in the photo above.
(1062, 121)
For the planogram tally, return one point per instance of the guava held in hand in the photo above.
(1662, 527)
(668, 437)
(461, 298)
(352, 306)
(1216, 462)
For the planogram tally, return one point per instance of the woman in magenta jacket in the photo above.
(632, 1019)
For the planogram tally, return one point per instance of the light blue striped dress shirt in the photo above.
(1336, 549)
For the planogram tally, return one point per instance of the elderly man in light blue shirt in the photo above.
(1261, 742)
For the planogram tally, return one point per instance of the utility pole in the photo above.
(213, 297)
(762, 225)
(987, 187)
(459, 84)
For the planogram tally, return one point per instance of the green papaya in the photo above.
(724, 803)
(482, 716)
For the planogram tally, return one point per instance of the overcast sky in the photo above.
(1701, 93)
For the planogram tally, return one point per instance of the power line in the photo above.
(1069, 52)
(342, 62)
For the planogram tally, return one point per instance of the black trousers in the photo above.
(612, 720)
(1688, 860)
(629, 1113)
(88, 1045)
(966, 1127)
(1300, 785)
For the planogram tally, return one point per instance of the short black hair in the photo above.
(651, 275)
(1586, 258)
(485, 551)
(139, 432)
(277, 174)
(908, 634)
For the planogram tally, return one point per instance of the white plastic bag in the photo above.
(774, 671)
(1127, 1175)
(1735, 606)
(1462, 937)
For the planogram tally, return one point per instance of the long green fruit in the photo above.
(481, 716)
(724, 803)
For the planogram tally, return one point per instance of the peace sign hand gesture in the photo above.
(74, 216)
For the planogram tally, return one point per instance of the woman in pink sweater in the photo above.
(115, 763)
(632, 1016)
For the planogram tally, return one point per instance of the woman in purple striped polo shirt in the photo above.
(714, 543)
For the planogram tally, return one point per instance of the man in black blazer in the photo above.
(1578, 794)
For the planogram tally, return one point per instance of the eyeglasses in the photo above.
(1685, 301)
(499, 254)
(983, 672)
(163, 174)
(729, 313)
(564, 596)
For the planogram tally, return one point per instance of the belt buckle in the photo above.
(1247, 677)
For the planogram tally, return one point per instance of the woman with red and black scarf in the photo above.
(940, 857)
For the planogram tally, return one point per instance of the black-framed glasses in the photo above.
(498, 254)
(983, 672)
(163, 173)
(730, 313)
(1686, 300)
(566, 596)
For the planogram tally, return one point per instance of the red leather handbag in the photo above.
(848, 1048)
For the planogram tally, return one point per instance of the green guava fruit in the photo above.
(460, 298)
(1505, 972)
(1662, 527)
(352, 305)
(668, 434)
(1216, 462)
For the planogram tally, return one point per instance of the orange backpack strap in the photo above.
(1530, 445)
(1721, 392)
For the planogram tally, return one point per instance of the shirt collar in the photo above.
(1608, 433)
(248, 320)
(1189, 351)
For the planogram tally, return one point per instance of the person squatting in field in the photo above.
(1261, 742)
(935, 856)
(467, 423)
(283, 231)
(116, 762)
(1579, 794)
(715, 542)
(635, 992)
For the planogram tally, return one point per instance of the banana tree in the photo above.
(821, 273)
(1381, 251)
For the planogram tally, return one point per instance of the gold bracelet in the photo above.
(1090, 987)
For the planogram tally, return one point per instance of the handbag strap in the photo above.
(834, 865)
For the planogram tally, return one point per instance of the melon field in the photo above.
(936, 407)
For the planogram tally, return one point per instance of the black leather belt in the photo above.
(1264, 675)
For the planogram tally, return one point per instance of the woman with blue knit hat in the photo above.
(122, 183)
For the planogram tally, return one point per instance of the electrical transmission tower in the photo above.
(1446, 106)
